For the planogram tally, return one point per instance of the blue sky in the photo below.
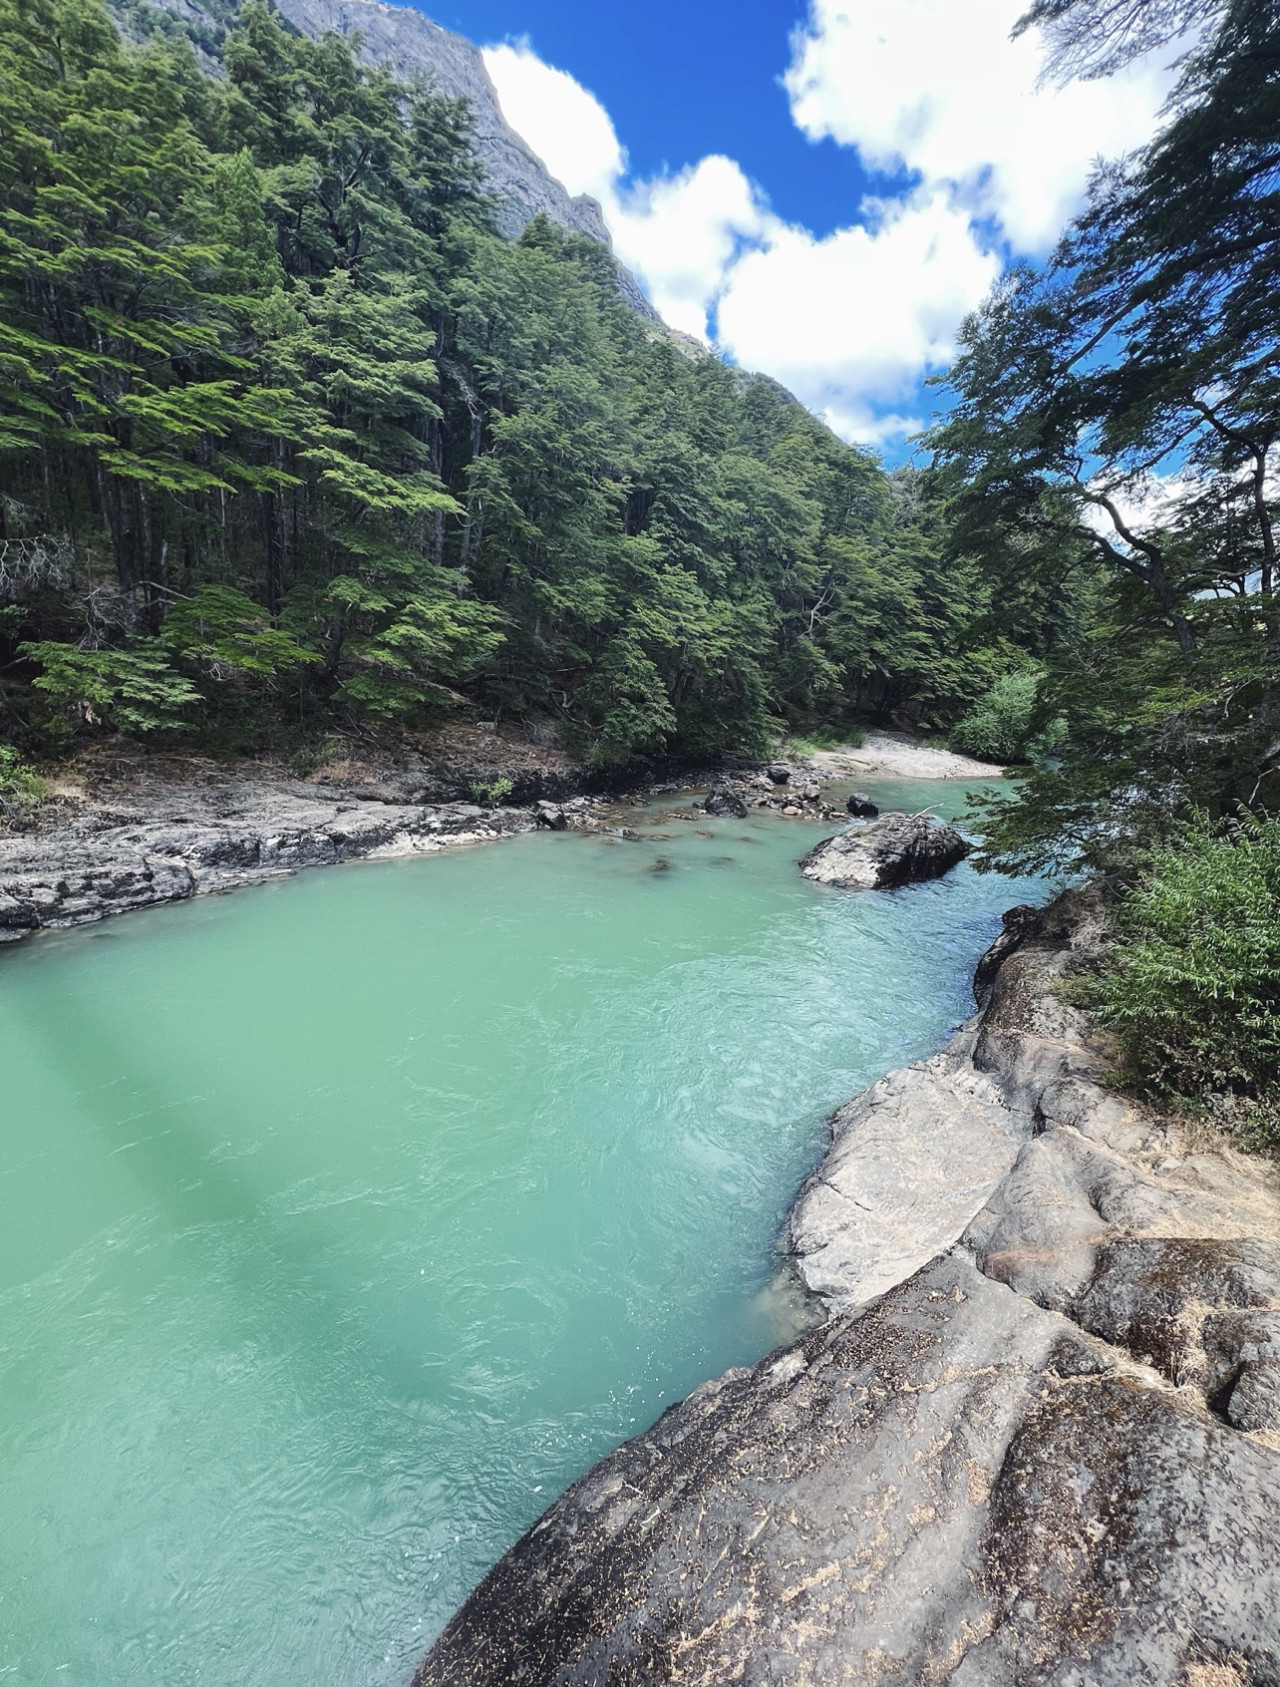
(821, 189)
(683, 80)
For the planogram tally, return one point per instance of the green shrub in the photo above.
(999, 726)
(1192, 988)
(824, 738)
(494, 794)
(21, 788)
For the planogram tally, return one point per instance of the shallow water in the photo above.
(344, 1221)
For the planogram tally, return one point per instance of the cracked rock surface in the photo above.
(174, 842)
(1036, 1442)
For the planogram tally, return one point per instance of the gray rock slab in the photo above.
(255, 832)
(897, 849)
(953, 1486)
(911, 1162)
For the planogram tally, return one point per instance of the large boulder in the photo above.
(897, 849)
(861, 806)
(726, 802)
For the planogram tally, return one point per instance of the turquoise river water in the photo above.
(344, 1221)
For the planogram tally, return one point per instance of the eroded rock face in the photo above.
(897, 849)
(1036, 1443)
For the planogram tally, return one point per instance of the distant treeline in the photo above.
(290, 435)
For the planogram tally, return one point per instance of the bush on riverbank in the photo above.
(21, 787)
(1192, 989)
(1004, 724)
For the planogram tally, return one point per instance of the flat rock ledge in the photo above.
(897, 849)
(1036, 1441)
(79, 875)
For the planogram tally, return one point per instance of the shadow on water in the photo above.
(176, 1166)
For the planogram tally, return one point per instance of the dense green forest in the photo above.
(292, 436)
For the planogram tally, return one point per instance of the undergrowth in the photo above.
(1191, 986)
(21, 787)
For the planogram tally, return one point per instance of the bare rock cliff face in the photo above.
(413, 46)
(1037, 1441)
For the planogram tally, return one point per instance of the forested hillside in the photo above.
(292, 436)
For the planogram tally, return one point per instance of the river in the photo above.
(344, 1221)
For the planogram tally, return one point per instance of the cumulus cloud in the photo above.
(934, 96)
(850, 322)
(566, 126)
(679, 234)
(686, 236)
(939, 89)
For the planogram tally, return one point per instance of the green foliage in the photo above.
(1192, 989)
(135, 690)
(318, 444)
(1001, 725)
(21, 787)
(226, 633)
(1112, 443)
(828, 738)
(630, 702)
(494, 794)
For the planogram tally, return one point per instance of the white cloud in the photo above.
(566, 126)
(685, 236)
(938, 87)
(851, 322)
(679, 234)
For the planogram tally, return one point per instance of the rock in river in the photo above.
(898, 849)
(552, 815)
(861, 806)
(726, 802)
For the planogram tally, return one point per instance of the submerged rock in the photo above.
(725, 802)
(861, 806)
(898, 849)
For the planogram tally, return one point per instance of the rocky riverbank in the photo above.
(129, 830)
(1036, 1440)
